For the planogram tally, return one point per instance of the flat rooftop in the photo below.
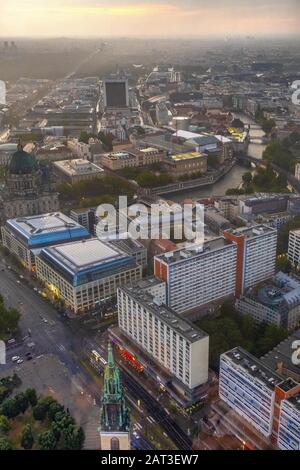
(282, 354)
(187, 156)
(85, 253)
(254, 366)
(182, 326)
(38, 229)
(78, 166)
(195, 250)
(252, 232)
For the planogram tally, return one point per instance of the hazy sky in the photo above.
(148, 17)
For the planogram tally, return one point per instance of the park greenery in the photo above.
(285, 153)
(148, 179)
(96, 191)
(267, 125)
(230, 329)
(9, 320)
(106, 139)
(31, 422)
(264, 180)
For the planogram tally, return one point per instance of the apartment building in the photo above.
(259, 394)
(198, 275)
(170, 341)
(256, 260)
(294, 248)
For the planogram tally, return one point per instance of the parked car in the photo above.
(15, 358)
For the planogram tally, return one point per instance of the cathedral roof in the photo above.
(22, 163)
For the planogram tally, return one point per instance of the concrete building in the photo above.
(171, 342)
(289, 424)
(297, 171)
(248, 386)
(198, 275)
(25, 237)
(294, 248)
(133, 248)
(223, 266)
(256, 258)
(277, 303)
(86, 272)
(216, 221)
(261, 203)
(262, 397)
(132, 158)
(73, 171)
(186, 164)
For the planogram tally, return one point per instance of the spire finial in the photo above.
(110, 357)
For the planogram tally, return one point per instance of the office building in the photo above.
(86, 272)
(198, 275)
(170, 341)
(115, 93)
(73, 171)
(133, 248)
(277, 303)
(26, 236)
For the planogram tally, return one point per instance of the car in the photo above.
(19, 361)
(45, 320)
(11, 341)
(18, 282)
(30, 345)
(35, 289)
(15, 358)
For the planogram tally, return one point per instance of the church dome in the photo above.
(22, 163)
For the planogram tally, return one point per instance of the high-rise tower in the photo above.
(114, 417)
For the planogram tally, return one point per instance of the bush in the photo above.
(27, 439)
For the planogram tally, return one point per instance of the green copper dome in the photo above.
(22, 163)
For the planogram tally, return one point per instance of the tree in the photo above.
(54, 408)
(27, 439)
(247, 178)
(5, 444)
(4, 424)
(21, 402)
(9, 408)
(40, 410)
(31, 396)
(72, 439)
(267, 125)
(47, 441)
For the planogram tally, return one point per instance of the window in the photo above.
(114, 443)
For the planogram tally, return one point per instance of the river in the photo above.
(233, 179)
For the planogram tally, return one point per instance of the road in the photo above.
(53, 334)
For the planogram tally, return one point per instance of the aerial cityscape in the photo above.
(150, 227)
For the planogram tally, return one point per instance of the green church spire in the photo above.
(114, 414)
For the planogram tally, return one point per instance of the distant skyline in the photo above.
(160, 18)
